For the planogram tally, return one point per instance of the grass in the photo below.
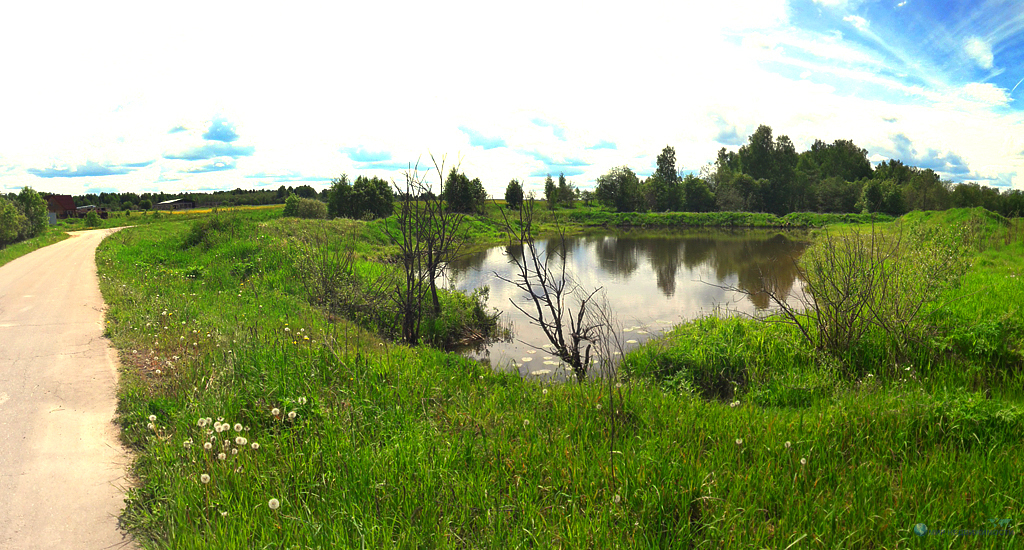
(392, 446)
(19, 249)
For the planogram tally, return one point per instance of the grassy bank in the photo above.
(391, 446)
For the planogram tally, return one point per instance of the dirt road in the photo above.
(62, 470)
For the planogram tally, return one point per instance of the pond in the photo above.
(652, 282)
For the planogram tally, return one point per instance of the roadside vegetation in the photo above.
(271, 403)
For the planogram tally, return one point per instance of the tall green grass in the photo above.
(397, 447)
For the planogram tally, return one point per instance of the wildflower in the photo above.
(234, 451)
(544, 391)
(238, 427)
(240, 440)
(152, 418)
(275, 411)
(617, 499)
(803, 462)
(208, 446)
(291, 415)
(201, 423)
(187, 444)
(734, 404)
(526, 422)
(223, 514)
(788, 444)
(255, 446)
(151, 426)
(274, 504)
(221, 456)
(205, 478)
(739, 440)
(598, 406)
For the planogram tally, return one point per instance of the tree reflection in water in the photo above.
(652, 279)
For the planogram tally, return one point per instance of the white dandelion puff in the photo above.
(221, 456)
(208, 446)
(291, 415)
(739, 440)
(274, 504)
(240, 441)
(152, 418)
(205, 478)
(803, 462)
(238, 427)
(255, 445)
(275, 411)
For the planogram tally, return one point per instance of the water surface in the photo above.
(652, 281)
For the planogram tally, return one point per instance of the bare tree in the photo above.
(428, 235)
(561, 307)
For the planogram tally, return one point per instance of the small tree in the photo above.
(620, 188)
(145, 204)
(291, 206)
(550, 192)
(514, 195)
(339, 199)
(34, 208)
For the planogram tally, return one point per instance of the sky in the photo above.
(142, 96)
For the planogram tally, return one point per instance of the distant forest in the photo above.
(766, 174)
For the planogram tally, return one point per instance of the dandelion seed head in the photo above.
(617, 498)
(291, 415)
(544, 391)
(238, 427)
(205, 478)
(739, 440)
(152, 418)
(803, 462)
(255, 445)
(234, 451)
(275, 411)
(151, 426)
(208, 446)
(221, 456)
(274, 504)
(788, 444)
(187, 444)
(302, 401)
(240, 440)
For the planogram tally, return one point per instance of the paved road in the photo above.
(62, 470)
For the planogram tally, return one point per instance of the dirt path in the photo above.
(62, 469)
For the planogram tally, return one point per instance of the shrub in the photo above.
(291, 206)
(92, 219)
(311, 209)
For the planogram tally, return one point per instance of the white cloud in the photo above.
(980, 51)
(856, 21)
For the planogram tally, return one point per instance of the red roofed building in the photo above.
(61, 206)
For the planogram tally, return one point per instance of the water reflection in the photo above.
(652, 280)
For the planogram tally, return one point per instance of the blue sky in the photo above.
(206, 96)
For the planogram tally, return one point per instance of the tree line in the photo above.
(22, 216)
(768, 175)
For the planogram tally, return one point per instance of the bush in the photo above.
(11, 222)
(291, 206)
(92, 219)
(311, 209)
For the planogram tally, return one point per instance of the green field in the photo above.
(727, 433)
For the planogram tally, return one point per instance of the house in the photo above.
(60, 207)
(174, 204)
